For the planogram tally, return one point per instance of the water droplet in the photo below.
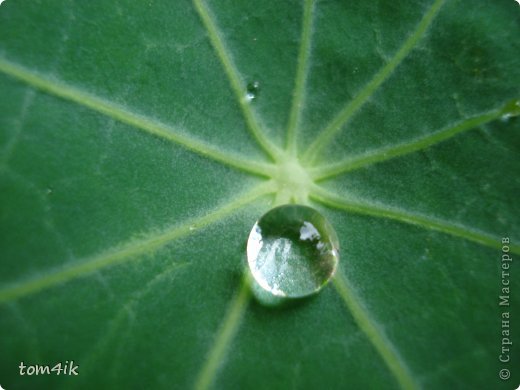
(292, 251)
(252, 91)
(511, 109)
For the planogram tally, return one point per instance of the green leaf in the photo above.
(133, 165)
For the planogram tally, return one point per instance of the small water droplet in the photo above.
(292, 251)
(192, 228)
(252, 91)
(48, 191)
(511, 109)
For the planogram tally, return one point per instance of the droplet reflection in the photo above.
(511, 109)
(252, 91)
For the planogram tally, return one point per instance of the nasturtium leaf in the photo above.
(140, 142)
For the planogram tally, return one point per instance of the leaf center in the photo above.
(292, 180)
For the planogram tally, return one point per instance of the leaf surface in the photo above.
(133, 165)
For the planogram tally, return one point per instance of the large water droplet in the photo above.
(292, 251)
(252, 91)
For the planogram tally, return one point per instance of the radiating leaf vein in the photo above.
(224, 336)
(417, 144)
(121, 114)
(327, 134)
(375, 335)
(301, 77)
(431, 223)
(126, 251)
(235, 80)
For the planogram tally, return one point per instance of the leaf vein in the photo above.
(377, 338)
(301, 77)
(13, 141)
(125, 252)
(224, 336)
(414, 145)
(326, 135)
(235, 80)
(112, 110)
(127, 310)
(430, 223)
